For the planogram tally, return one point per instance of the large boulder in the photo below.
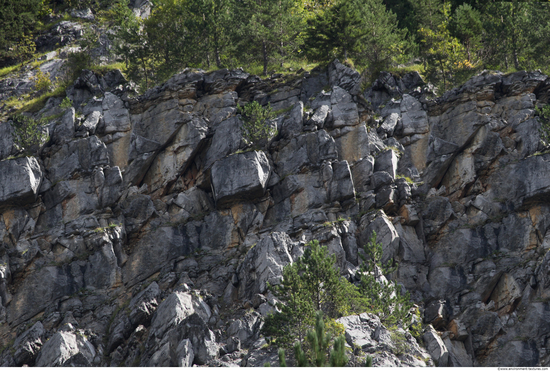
(66, 349)
(264, 264)
(20, 180)
(239, 176)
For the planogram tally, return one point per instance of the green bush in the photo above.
(256, 130)
(66, 103)
(28, 133)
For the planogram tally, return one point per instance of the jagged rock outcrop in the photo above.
(145, 231)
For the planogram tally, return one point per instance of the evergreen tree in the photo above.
(269, 30)
(384, 298)
(467, 26)
(18, 19)
(310, 284)
(210, 21)
(361, 30)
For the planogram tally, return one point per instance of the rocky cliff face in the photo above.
(143, 234)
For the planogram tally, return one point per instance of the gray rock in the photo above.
(66, 349)
(379, 179)
(143, 305)
(149, 256)
(227, 139)
(185, 353)
(111, 188)
(414, 118)
(20, 181)
(319, 117)
(344, 110)
(240, 176)
(306, 150)
(75, 156)
(174, 310)
(361, 172)
(64, 130)
(264, 263)
(389, 124)
(435, 346)
(387, 161)
(90, 124)
(341, 187)
(28, 344)
(293, 124)
(345, 77)
(83, 13)
(6, 140)
(385, 234)
(115, 115)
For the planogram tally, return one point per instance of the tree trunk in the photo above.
(217, 51)
(264, 52)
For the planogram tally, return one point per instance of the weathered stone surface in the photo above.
(240, 175)
(361, 172)
(436, 347)
(227, 139)
(90, 124)
(80, 155)
(6, 140)
(306, 150)
(64, 130)
(149, 256)
(385, 233)
(344, 110)
(266, 260)
(28, 344)
(319, 117)
(341, 187)
(294, 120)
(66, 349)
(387, 161)
(174, 310)
(344, 77)
(20, 181)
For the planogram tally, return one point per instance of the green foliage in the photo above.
(544, 118)
(66, 103)
(310, 284)
(42, 81)
(318, 342)
(18, 18)
(384, 299)
(28, 133)
(368, 362)
(256, 129)
(76, 62)
(361, 30)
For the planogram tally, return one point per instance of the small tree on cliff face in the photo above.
(27, 133)
(256, 129)
(384, 298)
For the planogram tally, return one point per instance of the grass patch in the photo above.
(6, 70)
(102, 70)
(402, 71)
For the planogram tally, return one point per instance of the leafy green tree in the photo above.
(361, 30)
(384, 298)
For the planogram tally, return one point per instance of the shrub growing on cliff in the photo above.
(28, 133)
(256, 129)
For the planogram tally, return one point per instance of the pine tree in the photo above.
(384, 298)
(362, 30)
